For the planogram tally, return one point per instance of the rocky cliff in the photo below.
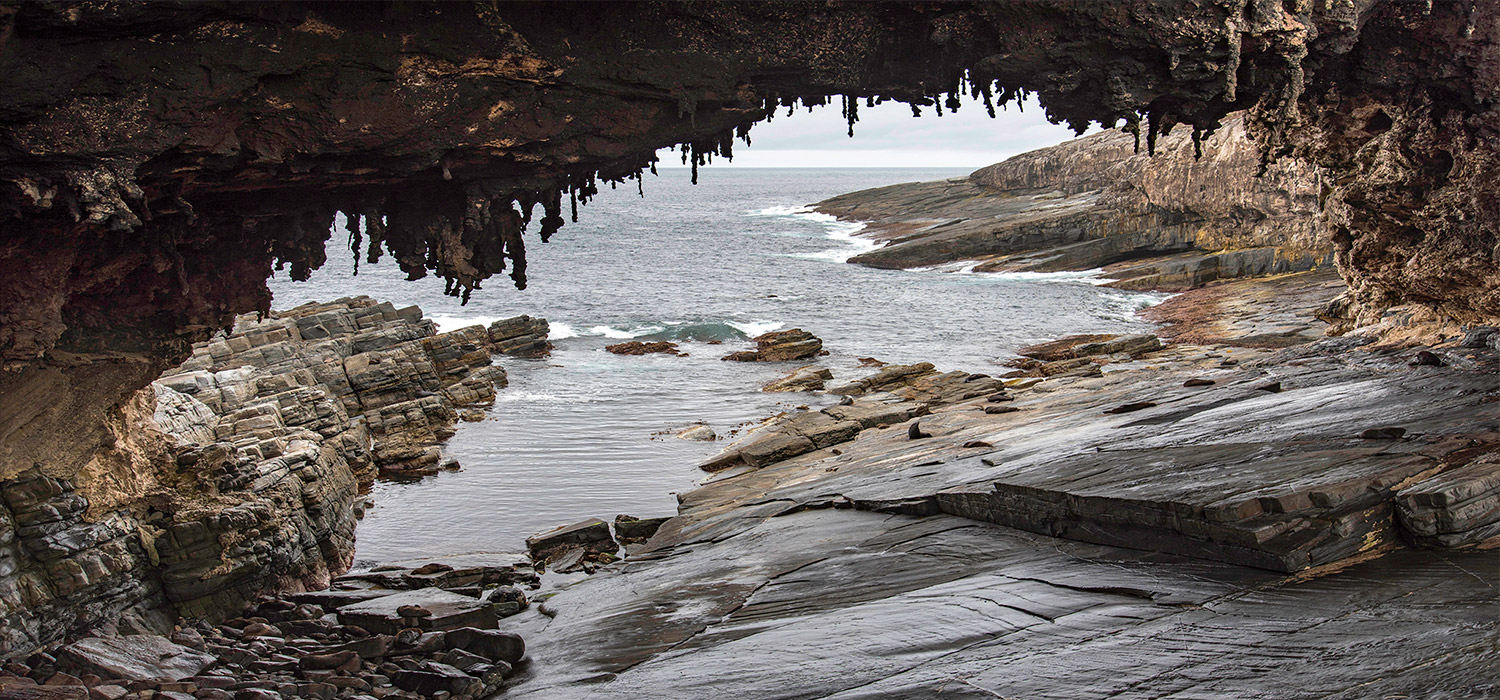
(241, 471)
(1194, 212)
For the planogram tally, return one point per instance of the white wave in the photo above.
(957, 267)
(846, 233)
(446, 324)
(779, 211)
(537, 397)
(755, 328)
(557, 330)
(622, 334)
(1125, 305)
(1087, 276)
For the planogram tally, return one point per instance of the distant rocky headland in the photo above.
(1187, 215)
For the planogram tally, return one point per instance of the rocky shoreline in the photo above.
(1171, 518)
(1187, 215)
(1229, 459)
(241, 472)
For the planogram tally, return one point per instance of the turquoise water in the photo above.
(589, 434)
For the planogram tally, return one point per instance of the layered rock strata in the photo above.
(1253, 506)
(780, 346)
(241, 471)
(400, 632)
(1187, 215)
(384, 365)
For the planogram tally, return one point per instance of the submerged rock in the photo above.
(636, 347)
(700, 433)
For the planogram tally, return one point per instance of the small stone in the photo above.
(190, 638)
(62, 679)
(700, 433)
(372, 647)
(1002, 396)
(996, 410)
(1131, 407)
(976, 443)
(323, 691)
(1426, 358)
(432, 568)
(351, 683)
(107, 692)
(346, 661)
(258, 629)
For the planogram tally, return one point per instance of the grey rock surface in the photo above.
(137, 657)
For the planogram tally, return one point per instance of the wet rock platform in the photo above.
(1315, 521)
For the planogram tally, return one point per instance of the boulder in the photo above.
(592, 534)
(447, 611)
(630, 530)
(700, 433)
(431, 677)
(888, 377)
(780, 346)
(491, 644)
(136, 657)
(522, 336)
(809, 378)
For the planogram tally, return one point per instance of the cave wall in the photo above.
(159, 160)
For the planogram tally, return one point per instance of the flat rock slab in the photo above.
(335, 600)
(27, 689)
(850, 604)
(449, 611)
(137, 657)
(1280, 480)
(455, 571)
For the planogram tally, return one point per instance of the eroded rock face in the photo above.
(238, 472)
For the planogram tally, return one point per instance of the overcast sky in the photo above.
(888, 136)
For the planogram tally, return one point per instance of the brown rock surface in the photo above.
(637, 347)
(243, 475)
(1096, 202)
(780, 346)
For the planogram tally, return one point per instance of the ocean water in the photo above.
(586, 433)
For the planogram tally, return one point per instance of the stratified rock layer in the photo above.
(1198, 212)
(1146, 555)
(244, 472)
